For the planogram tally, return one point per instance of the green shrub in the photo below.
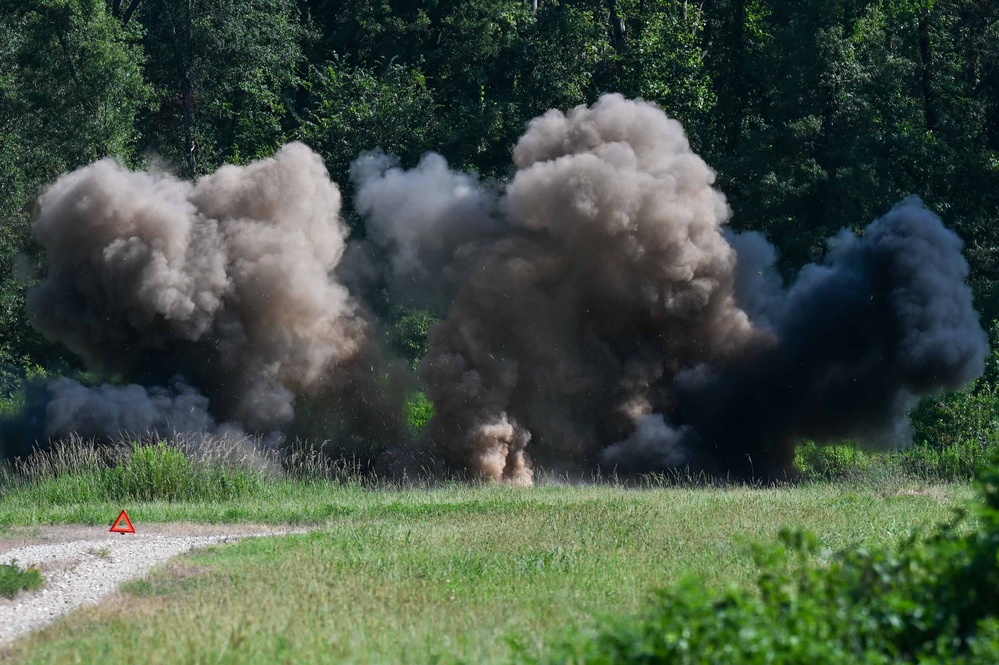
(409, 333)
(13, 382)
(14, 580)
(933, 599)
(419, 411)
(833, 462)
(955, 432)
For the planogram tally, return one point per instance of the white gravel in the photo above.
(81, 572)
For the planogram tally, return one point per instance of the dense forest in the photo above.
(817, 115)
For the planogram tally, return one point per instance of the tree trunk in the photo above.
(184, 55)
(926, 78)
(192, 163)
(616, 26)
(124, 15)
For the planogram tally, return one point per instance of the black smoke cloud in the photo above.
(886, 319)
(597, 314)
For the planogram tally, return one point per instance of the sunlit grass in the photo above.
(456, 572)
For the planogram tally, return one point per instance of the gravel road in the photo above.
(81, 565)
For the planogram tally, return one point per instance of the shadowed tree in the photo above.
(224, 74)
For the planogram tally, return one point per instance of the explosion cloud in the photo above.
(615, 324)
(224, 283)
(597, 314)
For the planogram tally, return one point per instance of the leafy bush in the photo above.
(419, 411)
(833, 462)
(955, 432)
(409, 333)
(14, 580)
(933, 599)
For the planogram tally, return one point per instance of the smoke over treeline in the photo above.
(596, 312)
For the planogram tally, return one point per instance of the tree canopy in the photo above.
(816, 114)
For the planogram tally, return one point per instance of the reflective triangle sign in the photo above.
(127, 527)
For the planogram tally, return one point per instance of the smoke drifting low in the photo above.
(597, 314)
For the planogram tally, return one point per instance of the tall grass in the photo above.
(78, 471)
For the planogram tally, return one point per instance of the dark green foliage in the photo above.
(664, 62)
(224, 74)
(956, 432)
(14, 579)
(409, 334)
(352, 109)
(71, 85)
(74, 85)
(933, 599)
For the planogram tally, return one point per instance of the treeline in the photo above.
(817, 114)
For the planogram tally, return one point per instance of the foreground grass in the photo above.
(450, 574)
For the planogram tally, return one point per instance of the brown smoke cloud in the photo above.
(225, 283)
(615, 277)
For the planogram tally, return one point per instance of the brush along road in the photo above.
(82, 565)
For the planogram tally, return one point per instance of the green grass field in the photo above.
(448, 574)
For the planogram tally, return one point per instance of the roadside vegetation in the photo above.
(14, 579)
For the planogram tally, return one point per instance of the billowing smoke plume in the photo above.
(886, 319)
(609, 321)
(423, 217)
(597, 312)
(213, 299)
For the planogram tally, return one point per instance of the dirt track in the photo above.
(82, 565)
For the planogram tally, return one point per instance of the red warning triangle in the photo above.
(118, 527)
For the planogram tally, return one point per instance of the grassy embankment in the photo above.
(432, 574)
